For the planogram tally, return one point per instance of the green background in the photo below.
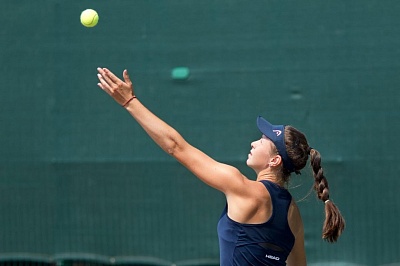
(78, 176)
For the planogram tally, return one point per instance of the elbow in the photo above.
(171, 149)
(174, 146)
(172, 142)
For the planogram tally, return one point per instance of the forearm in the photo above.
(162, 133)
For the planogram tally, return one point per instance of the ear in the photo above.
(275, 161)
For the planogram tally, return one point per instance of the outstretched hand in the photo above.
(121, 91)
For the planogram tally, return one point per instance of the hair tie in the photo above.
(326, 201)
(309, 149)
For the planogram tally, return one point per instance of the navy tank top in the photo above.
(268, 243)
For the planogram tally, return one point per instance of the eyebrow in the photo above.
(263, 137)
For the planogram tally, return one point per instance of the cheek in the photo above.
(264, 152)
(260, 157)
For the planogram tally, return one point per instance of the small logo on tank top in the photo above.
(272, 257)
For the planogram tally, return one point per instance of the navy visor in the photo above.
(276, 133)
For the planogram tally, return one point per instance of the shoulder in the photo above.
(251, 205)
(252, 190)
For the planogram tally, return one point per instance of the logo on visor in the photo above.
(278, 132)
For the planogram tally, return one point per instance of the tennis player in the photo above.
(261, 223)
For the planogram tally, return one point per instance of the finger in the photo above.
(101, 87)
(111, 75)
(100, 70)
(101, 78)
(126, 77)
(105, 80)
(103, 84)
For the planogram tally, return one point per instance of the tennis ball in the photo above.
(89, 18)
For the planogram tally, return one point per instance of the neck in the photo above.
(270, 176)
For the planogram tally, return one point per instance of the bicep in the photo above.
(215, 174)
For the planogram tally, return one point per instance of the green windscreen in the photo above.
(81, 182)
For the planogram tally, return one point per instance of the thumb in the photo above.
(126, 77)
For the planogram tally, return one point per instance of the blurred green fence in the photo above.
(94, 260)
(78, 176)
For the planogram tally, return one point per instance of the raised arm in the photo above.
(218, 175)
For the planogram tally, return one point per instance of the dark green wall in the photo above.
(77, 175)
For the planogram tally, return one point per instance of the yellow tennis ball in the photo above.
(89, 18)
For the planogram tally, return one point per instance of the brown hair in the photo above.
(298, 150)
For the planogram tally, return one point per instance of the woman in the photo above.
(261, 224)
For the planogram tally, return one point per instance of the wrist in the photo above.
(128, 101)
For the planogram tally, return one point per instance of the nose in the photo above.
(253, 144)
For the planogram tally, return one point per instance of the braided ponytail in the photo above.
(299, 151)
(334, 222)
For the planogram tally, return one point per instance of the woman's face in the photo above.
(261, 152)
